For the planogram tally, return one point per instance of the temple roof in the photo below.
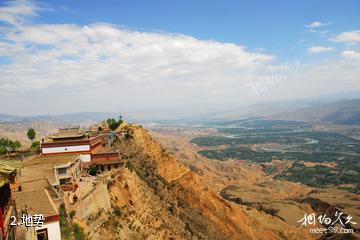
(66, 135)
(7, 167)
(52, 159)
(106, 149)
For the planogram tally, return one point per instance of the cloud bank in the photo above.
(349, 54)
(52, 68)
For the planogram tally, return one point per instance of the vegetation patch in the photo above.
(245, 140)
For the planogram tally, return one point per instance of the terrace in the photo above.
(48, 167)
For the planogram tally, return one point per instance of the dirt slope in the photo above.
(160, 198)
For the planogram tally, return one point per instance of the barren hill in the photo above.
(158, 197)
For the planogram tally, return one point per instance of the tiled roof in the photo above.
(6, 168)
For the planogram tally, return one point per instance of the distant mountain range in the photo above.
(340, 112)
(322, 111)
(326, 110)
(79, 117)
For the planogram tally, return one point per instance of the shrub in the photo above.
(72, 214)
(93, 171)
(35, 146)
(78, 232)
(117, 211)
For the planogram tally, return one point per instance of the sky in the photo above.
(175, 57)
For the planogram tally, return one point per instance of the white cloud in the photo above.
(69, 67)
(349, 54)
(319, 49)
(317, 24)
(351, 37)
(106, 62)
(15, 12)
(76, 55)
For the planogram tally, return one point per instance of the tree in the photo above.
(31, 134)
(35, 145)
(3, 144)
(120, 120)
(14, 145)
(8, 146)
(93, 171)
(113, 124)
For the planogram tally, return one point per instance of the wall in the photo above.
(64, 149)
(53, 229)
(85, 157)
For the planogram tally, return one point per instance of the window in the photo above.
(62, 171)
(42, 234)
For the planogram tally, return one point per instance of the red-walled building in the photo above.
(92, 147)
(7, 204)
(72, 141)
(106, 158)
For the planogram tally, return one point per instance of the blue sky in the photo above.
(277, 26)
(185, 55)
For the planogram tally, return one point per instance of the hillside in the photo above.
(158, 197)
(250, 184)
(340, 112)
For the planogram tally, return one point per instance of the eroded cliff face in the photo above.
(157, 197)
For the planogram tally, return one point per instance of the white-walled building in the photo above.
(67, 171)
(38, 202)
(72, 141)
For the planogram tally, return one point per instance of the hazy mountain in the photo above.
(8, 118)
(340, 108)
(79, 117)
(340, 112)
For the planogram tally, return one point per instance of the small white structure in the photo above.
(67, 171)
(49, 231)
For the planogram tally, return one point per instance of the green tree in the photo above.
(2, 145)
(113, 124)
(35, 146)
(14, 145)
(8, 146)
(31, 134)
(120, 120)
(93, 171)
